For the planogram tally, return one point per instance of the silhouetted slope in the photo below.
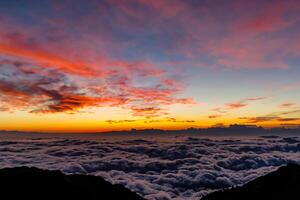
(32, 183)
(283, 184)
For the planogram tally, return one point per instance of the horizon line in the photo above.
(229, 127)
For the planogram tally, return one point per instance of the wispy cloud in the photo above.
(237, 104)
(282, 116)
(287, 105)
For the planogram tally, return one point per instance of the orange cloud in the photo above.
(52, 91)
(120, 121)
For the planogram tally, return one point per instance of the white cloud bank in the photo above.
(156, 167)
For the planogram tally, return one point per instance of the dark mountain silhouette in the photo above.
(282, 184)
(37, 184)
(233, 129)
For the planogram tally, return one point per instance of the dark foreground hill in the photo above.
(36, 184)
(281, 184)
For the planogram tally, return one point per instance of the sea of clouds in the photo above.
(156, 167)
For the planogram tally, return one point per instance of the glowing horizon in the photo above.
(77, 66)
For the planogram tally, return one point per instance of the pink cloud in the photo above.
(252, 36)
(237, 104)
(286, 105)
(242, 103)
(254, 40)
(250, 39)
(269, 18)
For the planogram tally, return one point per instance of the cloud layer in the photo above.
(157, 167)
(132, 54)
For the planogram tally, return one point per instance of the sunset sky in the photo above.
(100, 65)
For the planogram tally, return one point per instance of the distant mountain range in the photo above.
(234, 129)
(282, 184)
(37, 184)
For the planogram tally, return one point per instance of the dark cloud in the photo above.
(269, 118)
(214, 116)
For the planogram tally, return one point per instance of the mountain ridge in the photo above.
(36, 184)
(283, 183)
